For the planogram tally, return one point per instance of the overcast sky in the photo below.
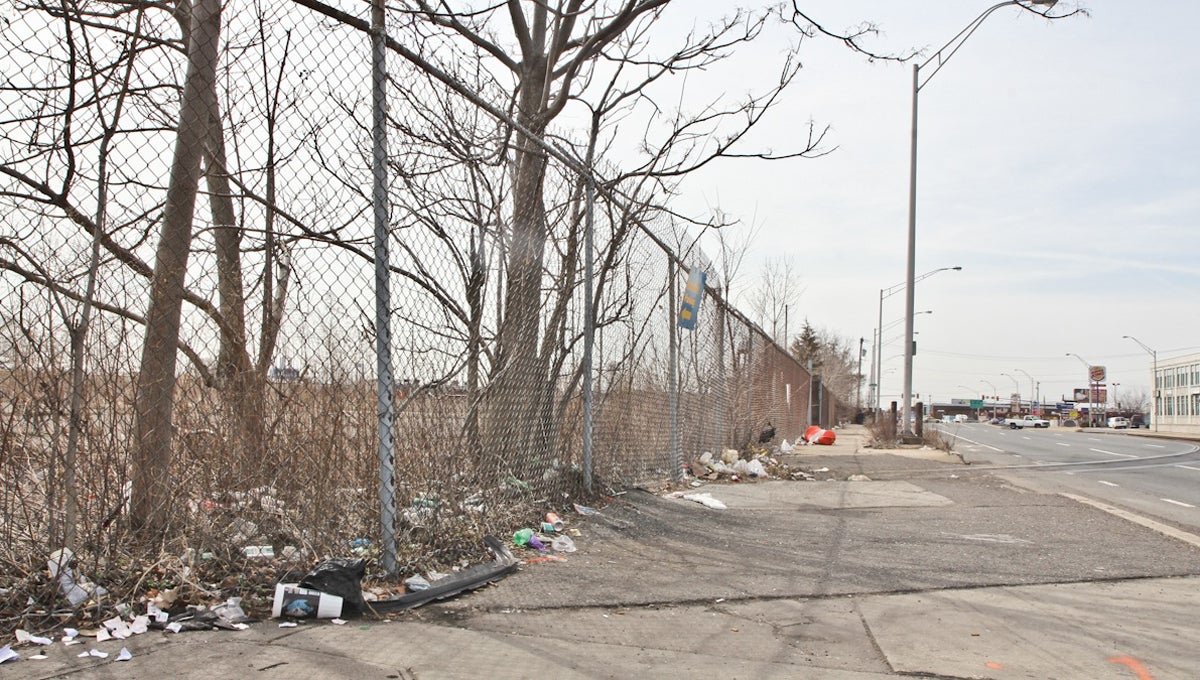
(1057, 165)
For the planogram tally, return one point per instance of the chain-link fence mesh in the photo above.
(188, 348)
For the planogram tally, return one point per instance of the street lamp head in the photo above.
(1045, 3)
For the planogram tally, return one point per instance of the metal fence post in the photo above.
(673, 368)
(589, 326)
(383, 335)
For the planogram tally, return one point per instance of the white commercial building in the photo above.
(1177, 395)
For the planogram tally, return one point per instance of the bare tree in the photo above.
(777, 294)
(156, 377)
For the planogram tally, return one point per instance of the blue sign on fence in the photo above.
(690, 308)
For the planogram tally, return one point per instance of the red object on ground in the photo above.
(815, 434)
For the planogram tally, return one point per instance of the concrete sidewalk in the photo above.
(949, 575)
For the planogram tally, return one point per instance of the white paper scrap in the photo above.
(23, 636)
(39, 657)
(288, 624)
(103, 635)
(241, 626)
(174, 627)
(7, 654)
(70, 634)
(124, 655)
(82, 654)
(98, 654)
(339, 622)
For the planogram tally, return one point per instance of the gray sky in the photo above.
(1057, 164)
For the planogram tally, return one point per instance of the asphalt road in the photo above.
(1155, 477)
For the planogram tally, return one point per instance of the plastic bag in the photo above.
(342, 577)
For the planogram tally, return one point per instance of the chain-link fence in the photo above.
(192, 346)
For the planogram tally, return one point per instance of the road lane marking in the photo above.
(1177, 534)
(1062, 443)
(1025, 438)
(1108, 483)
(1179, 503)
(1189, 467)
(1113, 453)
(1156, 446)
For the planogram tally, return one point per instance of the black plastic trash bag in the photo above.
(342, 577)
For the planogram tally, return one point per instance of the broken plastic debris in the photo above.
(522, 536)
(69, 634)
(563, 544)
(39, 657)
(24, 636)
(230, 609)
(96, 653)
(415, 583)
(584, 510)
(338, 622)
(157, 614)
(117, 628)
(124, 655)
(755, 468)
(706, 500)
(288, 624)
(259, 551)
(472, 577)
(7, 654)
(75, 587)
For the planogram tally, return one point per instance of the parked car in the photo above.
(1139, 421)
(1118, 423)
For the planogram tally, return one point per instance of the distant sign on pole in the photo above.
(1097, 373)
(976, 403)
(690, 308)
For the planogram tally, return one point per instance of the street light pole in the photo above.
(1016, 389)
(888, 292)
(1032, 392)
(1153, 380)
(942, 56)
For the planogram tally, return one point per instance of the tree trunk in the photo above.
(240, 384)
(151, 498)
(518, 389)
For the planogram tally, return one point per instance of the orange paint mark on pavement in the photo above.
(1134, 665)
(994, 665)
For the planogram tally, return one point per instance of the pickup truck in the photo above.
(1026, 421)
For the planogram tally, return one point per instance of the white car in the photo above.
(1118, 423)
